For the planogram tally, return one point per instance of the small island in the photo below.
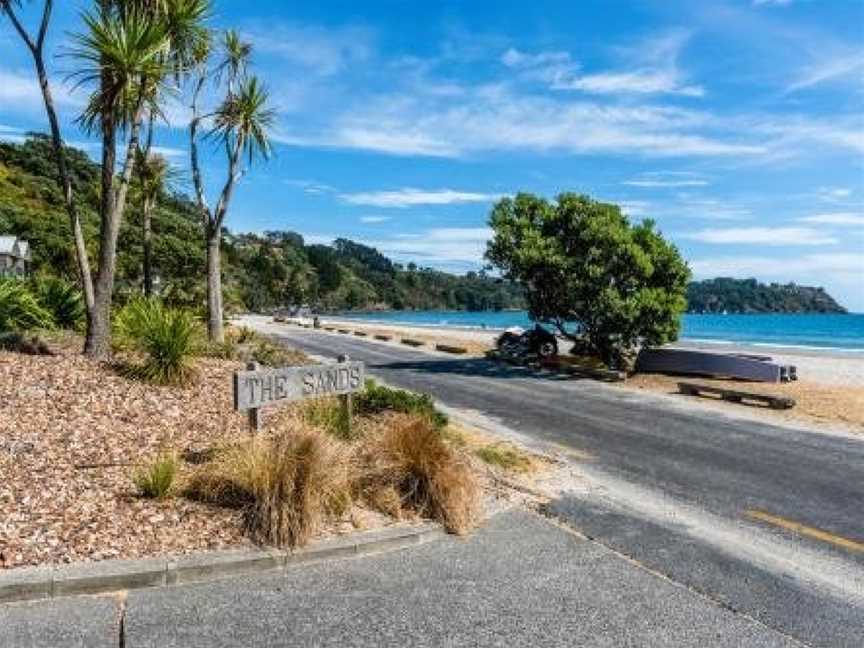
(727, 295)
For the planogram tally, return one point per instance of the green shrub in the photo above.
(154, 481)
(62, 299)
(378, 398)
(328, 414)
(167, 336)
(505, 457)
(274, 355)
(19, 308)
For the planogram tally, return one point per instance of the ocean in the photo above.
(804, 331)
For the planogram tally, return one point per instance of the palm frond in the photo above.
(245, 119)
(123, 56)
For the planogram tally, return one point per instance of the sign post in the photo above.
(346, 404)
(256, 386)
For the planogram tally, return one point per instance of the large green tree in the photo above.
(602, 281)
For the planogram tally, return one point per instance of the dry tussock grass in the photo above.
(287, 484)
(407, 466)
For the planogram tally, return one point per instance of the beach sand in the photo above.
(829, 391)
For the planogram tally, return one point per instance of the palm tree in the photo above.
(154, 177)
(241, 124)
(36, 46)
(122, 55)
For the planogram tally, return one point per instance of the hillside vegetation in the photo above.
(750, 296)
(260, 271)
(278, 268)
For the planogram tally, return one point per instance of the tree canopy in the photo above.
(586, 269)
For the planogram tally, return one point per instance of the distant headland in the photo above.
(727, 295)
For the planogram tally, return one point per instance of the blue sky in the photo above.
(737, 125)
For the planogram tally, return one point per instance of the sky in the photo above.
(737, 125)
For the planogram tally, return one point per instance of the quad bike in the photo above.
(537, 341)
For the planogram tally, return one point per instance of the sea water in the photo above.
(803, 331)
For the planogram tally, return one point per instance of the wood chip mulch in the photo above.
(71, 435)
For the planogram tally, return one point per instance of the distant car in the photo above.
(537, 341)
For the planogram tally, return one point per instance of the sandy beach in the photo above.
(829, 391)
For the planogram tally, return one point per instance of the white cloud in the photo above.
(170, 152)
(409, 197)
(494, 117)
(440, 246)
(653, 69)
(832, 68)
(11, 134)
(636, 82)
(323, 51)
(835, 218)
(662, 179)
(311, 186)
(20, 93)
(771, 236)
(793, 135)
(633, 207)
(374, 219)
(833, 194)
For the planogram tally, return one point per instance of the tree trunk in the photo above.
(97, 344)
(36, 49)
(214, 286)
(66, 185)
(146, 233)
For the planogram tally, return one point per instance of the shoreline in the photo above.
(828, 368)
(478, 333)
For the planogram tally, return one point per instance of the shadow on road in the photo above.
(473, 367)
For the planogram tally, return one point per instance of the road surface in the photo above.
(764, 519)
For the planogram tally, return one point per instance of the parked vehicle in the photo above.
(537, 341)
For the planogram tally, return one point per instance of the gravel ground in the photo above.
(71, 434)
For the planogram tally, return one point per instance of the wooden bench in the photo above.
(735, 396)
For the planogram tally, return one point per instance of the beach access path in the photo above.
(764, 519)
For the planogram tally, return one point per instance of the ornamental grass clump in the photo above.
(168, 338)
(62, 299)
(155, 480)
(287, 484)
(19, 308)
(407, 465)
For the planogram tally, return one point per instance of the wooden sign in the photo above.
(256, 388)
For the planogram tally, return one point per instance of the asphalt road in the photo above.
(671, 487)
(518, 581)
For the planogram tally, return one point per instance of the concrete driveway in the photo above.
(519, 581)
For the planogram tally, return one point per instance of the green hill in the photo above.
(750, 296)
(278, 268)
(261, 271)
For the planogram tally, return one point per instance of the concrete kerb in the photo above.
(47, 582)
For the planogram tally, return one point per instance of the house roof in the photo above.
(15, 247)
(7, 245)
